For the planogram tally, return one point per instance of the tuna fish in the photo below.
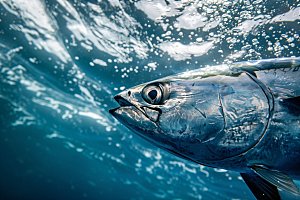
(243, 117)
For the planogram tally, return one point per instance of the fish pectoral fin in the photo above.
(292, 104)
(278, 179)
(262, 189)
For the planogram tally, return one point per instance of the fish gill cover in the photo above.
(61, 63)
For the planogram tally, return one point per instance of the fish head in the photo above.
(203, 119)
(173, 114)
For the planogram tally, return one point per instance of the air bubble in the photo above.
(199, 39)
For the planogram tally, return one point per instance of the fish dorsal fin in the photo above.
(292, 104)
(279, 179)
(262, 189)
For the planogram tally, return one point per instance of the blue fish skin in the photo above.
(228, 116)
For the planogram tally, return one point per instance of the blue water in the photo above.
(61, 63)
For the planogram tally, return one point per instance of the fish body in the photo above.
(243, 117)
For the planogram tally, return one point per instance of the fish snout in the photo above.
(122, 101)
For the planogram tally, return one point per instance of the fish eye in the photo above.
(154, 93)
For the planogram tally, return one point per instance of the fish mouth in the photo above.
(135, 118)
(123, 103)
(113, 110)
(152, 114)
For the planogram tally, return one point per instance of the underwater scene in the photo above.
(63, 61)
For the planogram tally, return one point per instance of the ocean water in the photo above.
(61, 63)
